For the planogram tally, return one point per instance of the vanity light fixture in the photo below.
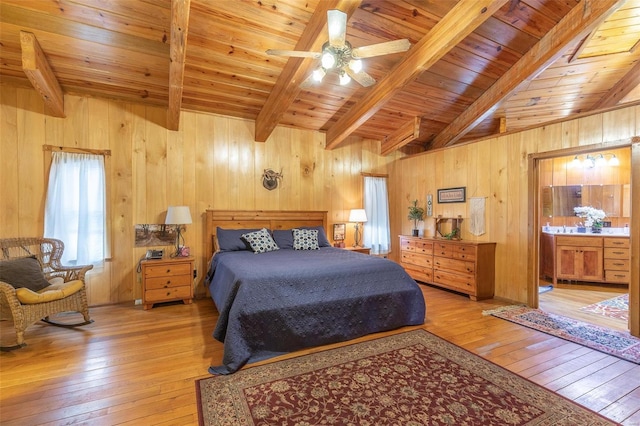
(596, 160)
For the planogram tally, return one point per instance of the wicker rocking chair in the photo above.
(67, 295)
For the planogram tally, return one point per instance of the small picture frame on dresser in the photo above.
(339, 230)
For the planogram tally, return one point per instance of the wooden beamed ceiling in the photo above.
(475, 67)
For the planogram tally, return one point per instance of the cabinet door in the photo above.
(592, 264)
(579, 263)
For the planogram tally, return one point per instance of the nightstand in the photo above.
(167, 279)
(365, 250)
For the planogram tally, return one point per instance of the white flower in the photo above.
(590, 215)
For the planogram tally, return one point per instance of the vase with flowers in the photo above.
(592, 217)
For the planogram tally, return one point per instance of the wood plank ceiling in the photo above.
(475, 68)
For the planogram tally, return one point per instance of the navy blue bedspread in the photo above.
(285, 300)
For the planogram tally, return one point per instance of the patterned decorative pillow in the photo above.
(305, 239)
(260, 241)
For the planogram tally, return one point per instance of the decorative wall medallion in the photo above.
(270, 179)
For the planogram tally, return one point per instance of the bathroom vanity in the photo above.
(602, 258)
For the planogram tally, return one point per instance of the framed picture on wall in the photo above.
(452, 195)
(339, 230)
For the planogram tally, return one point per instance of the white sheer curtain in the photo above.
(75, 206)
(377, 234)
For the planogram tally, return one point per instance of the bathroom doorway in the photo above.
(575, 177)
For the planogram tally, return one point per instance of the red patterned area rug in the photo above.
(617, 307)
(412, 378)
(612, 342)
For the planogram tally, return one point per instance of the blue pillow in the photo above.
(283, 238)
(231, 239)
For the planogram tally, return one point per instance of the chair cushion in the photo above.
(23, 272)
(49, 294)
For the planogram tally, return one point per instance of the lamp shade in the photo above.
(357, 215)
(178, 215)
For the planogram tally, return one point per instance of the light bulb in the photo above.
(328, 60)
(344, 78)
(600, 161)
(355, 65)
(614, 161)
(319, 74)
(576, 162)
(589, 162)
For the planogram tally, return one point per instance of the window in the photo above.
(377, 235)
(75, 209)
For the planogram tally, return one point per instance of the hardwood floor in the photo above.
(138, 367)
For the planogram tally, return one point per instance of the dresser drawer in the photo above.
(417, 259)
(623, 277)
(463, 282)
(419, 274)
(405, 245)
(617, 264)
(168, 281)
(616, 242)
(162, 294)
(454, 265)
(167, 269)
(443, 249)
(616, 253)
(464, 252)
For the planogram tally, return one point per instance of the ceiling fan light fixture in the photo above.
(328, 59)
(319, 74)
(355, 65)
(344, 78)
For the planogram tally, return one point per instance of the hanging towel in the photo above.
(477, 215)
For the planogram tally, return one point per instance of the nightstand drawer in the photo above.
(162, 270)
(168, 281)
(166, 294)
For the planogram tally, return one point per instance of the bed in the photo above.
(286, 299)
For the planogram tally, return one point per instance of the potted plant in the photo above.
(416, 214)
(592, 217)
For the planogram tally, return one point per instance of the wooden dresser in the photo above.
(464, 266)
(167, 279)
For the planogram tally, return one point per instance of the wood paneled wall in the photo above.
(497, 169)
(212, 162)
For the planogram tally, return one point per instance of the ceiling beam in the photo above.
(576, 24)
(622, 88)
(177, 52)
(297, 70)
(37, 69)
(461, 21)
(406, 133)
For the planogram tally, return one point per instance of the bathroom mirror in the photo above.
(560, 200)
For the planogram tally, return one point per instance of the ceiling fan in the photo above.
(338, 54)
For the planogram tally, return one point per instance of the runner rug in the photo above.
(617, 307)
(412, 378)
(612, 342)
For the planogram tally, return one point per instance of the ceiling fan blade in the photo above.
(295, 53)
(337, 27)
(384, 48)
(361, 77)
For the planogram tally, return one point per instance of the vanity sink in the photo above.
(571, 230)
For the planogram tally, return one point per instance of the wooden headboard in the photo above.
(270, 219)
